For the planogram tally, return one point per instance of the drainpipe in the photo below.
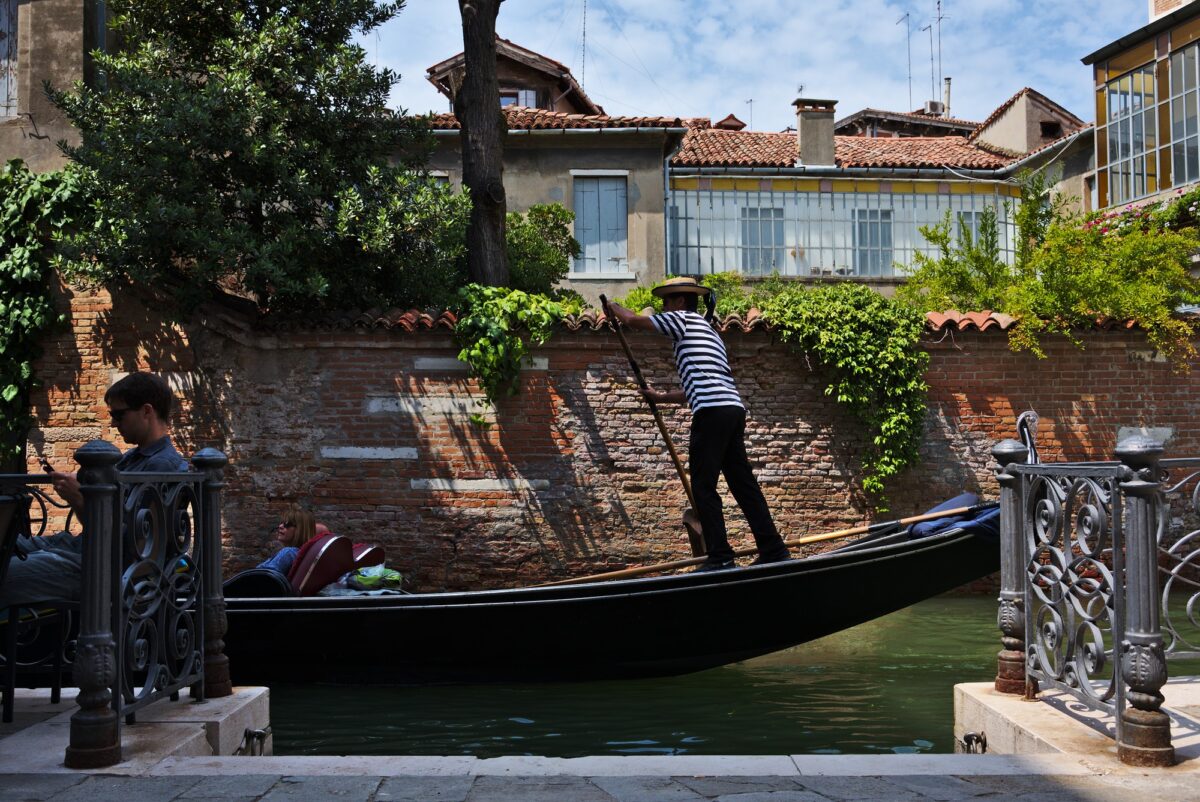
(667, 206)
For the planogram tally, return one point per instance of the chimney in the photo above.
(946, 100)
(814, 132)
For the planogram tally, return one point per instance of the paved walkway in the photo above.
(730, 779)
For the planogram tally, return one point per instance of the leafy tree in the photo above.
(234, 143)
(968, 272)
(34, 209)
(477, 107)
(540, 247)
(1082, 273)
(1128, 264)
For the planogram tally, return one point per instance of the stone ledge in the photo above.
(1056, 724)
(165, 729)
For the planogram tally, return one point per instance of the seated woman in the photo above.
(297, 528)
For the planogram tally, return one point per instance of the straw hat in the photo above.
(684, 285)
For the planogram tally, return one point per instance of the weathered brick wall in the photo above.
(371, 428)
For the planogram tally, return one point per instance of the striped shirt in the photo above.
(700, 359)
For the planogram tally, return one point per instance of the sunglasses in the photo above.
(118, 414)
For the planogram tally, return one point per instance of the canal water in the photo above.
(882, 687)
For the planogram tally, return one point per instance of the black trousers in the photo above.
(717, 446)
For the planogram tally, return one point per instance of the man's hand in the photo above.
(660, 397)
(630, 318)
(67, 486)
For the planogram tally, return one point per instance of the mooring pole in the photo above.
(1010, 661)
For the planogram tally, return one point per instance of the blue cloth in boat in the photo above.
(927, 528)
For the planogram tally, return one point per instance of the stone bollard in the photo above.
(1145, 730)
(211, 463)
(95, 728)
(1010, 661)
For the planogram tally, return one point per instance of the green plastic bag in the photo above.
(376, 577)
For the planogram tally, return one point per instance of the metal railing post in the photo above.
(1146, 729)
(212, 463)
(1010, 661)
(95, 728)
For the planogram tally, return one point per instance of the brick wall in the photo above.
(371, 428)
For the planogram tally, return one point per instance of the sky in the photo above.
(702, 58)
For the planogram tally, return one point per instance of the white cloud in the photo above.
(706, 58)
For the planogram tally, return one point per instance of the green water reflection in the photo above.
(885, 686)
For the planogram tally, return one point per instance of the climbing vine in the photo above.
(33, 210)
(496, 326)
(868, 346)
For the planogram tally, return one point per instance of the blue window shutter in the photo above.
(601, 224)
(613, 225)
(587, 225)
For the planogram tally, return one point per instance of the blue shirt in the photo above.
(157, 457)
(282, 560)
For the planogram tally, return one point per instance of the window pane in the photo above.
(1176, 74)
(1189, 69)
(1193, 167)
(1148, 130)
(1189, 113)
(1177, 119)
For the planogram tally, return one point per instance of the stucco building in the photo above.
(43, 41)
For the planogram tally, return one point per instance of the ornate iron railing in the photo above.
(151, 614)
(1179, 558)
(1080, 599)
(160, 588)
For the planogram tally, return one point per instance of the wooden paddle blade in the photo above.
(691, 522)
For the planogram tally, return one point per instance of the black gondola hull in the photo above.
(632, 628)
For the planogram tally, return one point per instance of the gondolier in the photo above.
(716, 444)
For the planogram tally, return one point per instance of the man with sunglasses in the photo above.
(717, 444)
(139, 406)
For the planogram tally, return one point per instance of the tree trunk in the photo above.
(477, 106)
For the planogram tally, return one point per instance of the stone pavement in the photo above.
(765, 779)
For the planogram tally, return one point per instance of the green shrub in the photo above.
(540, 247)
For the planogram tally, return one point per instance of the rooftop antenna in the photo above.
(583, 50)
(907, 20)
(932, 72)
(750, 103)
(938, 19)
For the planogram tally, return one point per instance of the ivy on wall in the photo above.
(495, 329)
(34, 209)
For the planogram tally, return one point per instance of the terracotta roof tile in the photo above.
(717, 148)
(520, 118)
(409, 321)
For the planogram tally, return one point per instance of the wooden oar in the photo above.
(691, 522)
(800, 541)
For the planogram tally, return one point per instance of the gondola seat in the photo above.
(257, 583)
(321, 561)
(366, 555)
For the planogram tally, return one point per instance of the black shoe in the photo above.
(715, 565)
(763, 559)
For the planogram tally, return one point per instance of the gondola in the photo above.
(643, 627)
